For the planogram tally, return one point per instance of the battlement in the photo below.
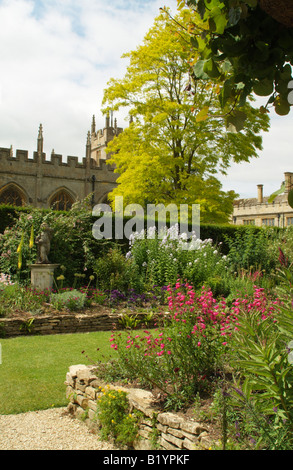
(22, 157)
(56, 181)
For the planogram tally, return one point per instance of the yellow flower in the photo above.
(19, 262)
(31, 244)
(21, 244)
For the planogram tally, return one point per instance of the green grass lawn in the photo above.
(33, 368)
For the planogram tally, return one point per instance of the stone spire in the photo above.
(107, 120)
(88, 146)
(40, 140)
(93, 125)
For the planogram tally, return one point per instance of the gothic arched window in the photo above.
(11, 195)
(62, 201)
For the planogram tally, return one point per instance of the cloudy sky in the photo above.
(56, 58)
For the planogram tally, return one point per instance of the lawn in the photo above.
(33, 369)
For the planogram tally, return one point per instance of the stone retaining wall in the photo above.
(171, 431)
(46, 325)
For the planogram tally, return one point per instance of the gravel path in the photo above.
(52, 429)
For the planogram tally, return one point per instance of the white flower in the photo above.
(151, 233)
(183, 236)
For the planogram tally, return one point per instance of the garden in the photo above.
(209, 329)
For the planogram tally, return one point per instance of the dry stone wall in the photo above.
(158, 430)
(58, 324)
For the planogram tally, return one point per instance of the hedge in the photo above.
(218, 233)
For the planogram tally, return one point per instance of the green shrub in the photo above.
(250, 249)
(72, 300)
(72, 244)
(114, 272)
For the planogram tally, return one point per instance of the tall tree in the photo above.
(171, 153)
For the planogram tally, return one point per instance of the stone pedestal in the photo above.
(42, 275)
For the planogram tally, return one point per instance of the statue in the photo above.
(43, 243)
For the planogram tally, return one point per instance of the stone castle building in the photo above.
(258, 211)
(44, 183)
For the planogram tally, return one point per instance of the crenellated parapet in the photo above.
(22, 156)
(44, 181)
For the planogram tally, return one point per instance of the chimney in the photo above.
(288, 181)
(260, 193)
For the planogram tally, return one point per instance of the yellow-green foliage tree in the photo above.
(171, 153)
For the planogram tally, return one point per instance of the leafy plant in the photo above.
(72, 244)
(114, 417)
(71, 300)
(250, 250)
(245, 49)
(262, 357)
(19, 298)
(28, 325)
(114, 272)
(130, 322)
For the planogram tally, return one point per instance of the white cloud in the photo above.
(268, 169)
(56, 59)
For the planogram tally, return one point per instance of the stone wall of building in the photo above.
(40, 178)
(260, 212)
(157, 430)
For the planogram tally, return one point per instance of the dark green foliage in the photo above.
(74, 246)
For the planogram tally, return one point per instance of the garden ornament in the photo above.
(43, 243)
